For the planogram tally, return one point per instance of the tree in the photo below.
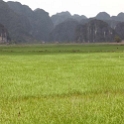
(117, 39)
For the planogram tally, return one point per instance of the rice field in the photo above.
(62, 84)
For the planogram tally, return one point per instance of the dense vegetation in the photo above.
(62, 84)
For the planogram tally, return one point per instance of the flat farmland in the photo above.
(62, 84)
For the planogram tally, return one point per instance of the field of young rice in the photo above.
(62, 84)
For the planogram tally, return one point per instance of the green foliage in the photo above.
(117, 39)
(65, 84)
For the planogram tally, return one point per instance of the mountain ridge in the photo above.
(25, 24)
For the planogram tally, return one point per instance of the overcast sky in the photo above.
(89, 8)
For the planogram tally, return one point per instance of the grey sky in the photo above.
(82, 7)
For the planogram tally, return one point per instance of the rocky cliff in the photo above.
(4, 35)
(95, 31)
(17, 25)
(90, 30)
(42, 25)
(120, 30)
(39, 20)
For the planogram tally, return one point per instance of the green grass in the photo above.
(62, 84)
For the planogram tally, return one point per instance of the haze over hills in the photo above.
(26, 25)
(41, 23)
(64, 31)
(17, 25)
(63, 16)
(88, 29)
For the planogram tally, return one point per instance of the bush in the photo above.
(117, 39)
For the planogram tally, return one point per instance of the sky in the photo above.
(89, 8)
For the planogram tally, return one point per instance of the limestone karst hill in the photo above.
(4, 35)
(26, 25)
